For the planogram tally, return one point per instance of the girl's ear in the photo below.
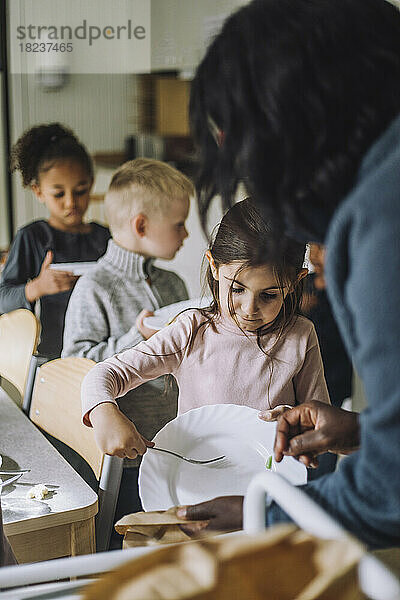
(36, 190)
(211, 262)
(139, 225)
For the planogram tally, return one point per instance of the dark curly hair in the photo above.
(300, 90)
(41, 146)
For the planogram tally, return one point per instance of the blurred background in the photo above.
(118, 116)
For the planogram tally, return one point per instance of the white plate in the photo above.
(77, 268)
(164, 315)
(203, 433)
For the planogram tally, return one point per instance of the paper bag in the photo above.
(282, 563)
(152, 528)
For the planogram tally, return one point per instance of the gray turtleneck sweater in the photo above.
(100, 321)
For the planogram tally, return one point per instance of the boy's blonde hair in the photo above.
(143, 185)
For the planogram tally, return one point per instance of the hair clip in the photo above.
(215, 131)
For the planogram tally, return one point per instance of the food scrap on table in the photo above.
(37, 492)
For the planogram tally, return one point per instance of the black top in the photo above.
(337, 364)
(26, 256)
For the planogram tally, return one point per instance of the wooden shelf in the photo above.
(109, 159)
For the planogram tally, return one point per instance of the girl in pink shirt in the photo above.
(250, 347)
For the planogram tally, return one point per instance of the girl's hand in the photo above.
(146, 332)
(49, 281)
(274, 413)
(115, 434)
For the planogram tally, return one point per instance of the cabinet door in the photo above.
(181, 30)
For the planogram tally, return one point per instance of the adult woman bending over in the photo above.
(300, 100)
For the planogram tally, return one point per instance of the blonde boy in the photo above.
(147, 204)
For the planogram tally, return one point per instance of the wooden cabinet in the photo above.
(172, 106)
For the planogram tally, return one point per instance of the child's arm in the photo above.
(115, 434)
(160, 355)
(49, 281)
(27, 276)
(309, 383)
(19, 268)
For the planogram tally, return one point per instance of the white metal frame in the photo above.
(377, 582)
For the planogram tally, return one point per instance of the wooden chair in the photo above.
(19, 337)
(56, 408)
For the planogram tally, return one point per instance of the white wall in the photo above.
(101, 110)
(97, 107)
(3, 167)
(182, 29)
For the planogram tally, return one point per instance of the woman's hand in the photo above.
(313, 428)
(49, 281)
(115, 434)
(224, 513)
(146, 332)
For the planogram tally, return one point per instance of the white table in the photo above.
(62, 524)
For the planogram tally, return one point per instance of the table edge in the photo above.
(50, 520)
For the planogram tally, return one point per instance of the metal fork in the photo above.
(13, 471)
(193, 461)
(10, 480)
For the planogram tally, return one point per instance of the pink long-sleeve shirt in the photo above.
(222, 365)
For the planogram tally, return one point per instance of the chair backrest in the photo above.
(56, 406)
(19, 336)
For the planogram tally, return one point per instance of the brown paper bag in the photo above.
(282, 563)
(152, 528)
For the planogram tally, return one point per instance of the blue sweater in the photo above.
(362, 274)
